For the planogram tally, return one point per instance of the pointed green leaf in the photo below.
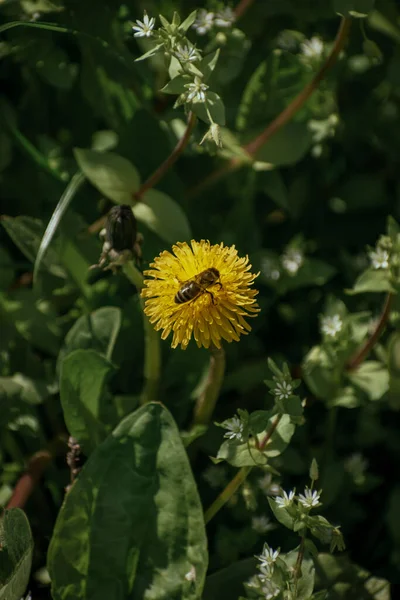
(215, 106)
(176, 85)
(132, 525)
(209, 63)
(149, 53)
(113, 175)
(69, 193)
(372, 377)
(372, 280)
(88, 410)
(188, 22)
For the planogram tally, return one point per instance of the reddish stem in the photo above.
(28, 481)
(363, 352)
(252, 147)
(285, 116)
(242, 7)
(158, 173)
(172, 158)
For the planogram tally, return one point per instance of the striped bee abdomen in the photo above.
(189, 291)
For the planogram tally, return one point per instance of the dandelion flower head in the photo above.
(220, 313)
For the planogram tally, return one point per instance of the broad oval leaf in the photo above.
(88, 410)
(372, 280)
(215, 107)
(113, 175)
(15, 554)
(164, 216)
(132, 525)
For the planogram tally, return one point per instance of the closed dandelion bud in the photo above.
(121, 229)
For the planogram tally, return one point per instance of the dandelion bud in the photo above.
(121, 229)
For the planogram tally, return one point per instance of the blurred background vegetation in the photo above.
(318, 195)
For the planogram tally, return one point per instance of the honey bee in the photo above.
(193, 288)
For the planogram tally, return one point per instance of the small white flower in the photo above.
(313, 48)
(292, 260)
(186, 54)
(283, 390)
(261, 524)
(144, 28)
(191, 574)
(235, 429)
(225, 17)
(379, 259)
(285, 500)
(310, 498)
(331, 325)
(267, 557)
(204, 21)
(196, 90)
(270, 590)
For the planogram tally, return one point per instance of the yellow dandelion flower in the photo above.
(202, 290)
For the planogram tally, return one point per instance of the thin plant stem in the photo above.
(239, 478)
(227, 493)
(158, 173)
(363, 352)
(242, 7)
(206, 402)
(170, 160)
(284, 117)
(152, 353)
(299, 561)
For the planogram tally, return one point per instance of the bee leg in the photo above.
(220, 284)
(212, 296)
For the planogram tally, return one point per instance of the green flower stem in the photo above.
(239, 478)
(284, 117)
(299, 561)
(227, 493)
(152, 353)
(206, 402)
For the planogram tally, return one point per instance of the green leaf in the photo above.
(353, 8)
(132, 525)
(281, 436)
(34, 319)
(215, 106)
(320, 375)
(113, 175)
(149, 53)
(347, 580)
(16, 548)
(209, 63)
(176, 85)
(88, 410)
(69, 193)
(246, 454)
(287, 146)
(394, 370)
(163, 215)
(305, 583)
(372, 377)
(281, 514)
(96, 331)
(188, 22)
(27, 234)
